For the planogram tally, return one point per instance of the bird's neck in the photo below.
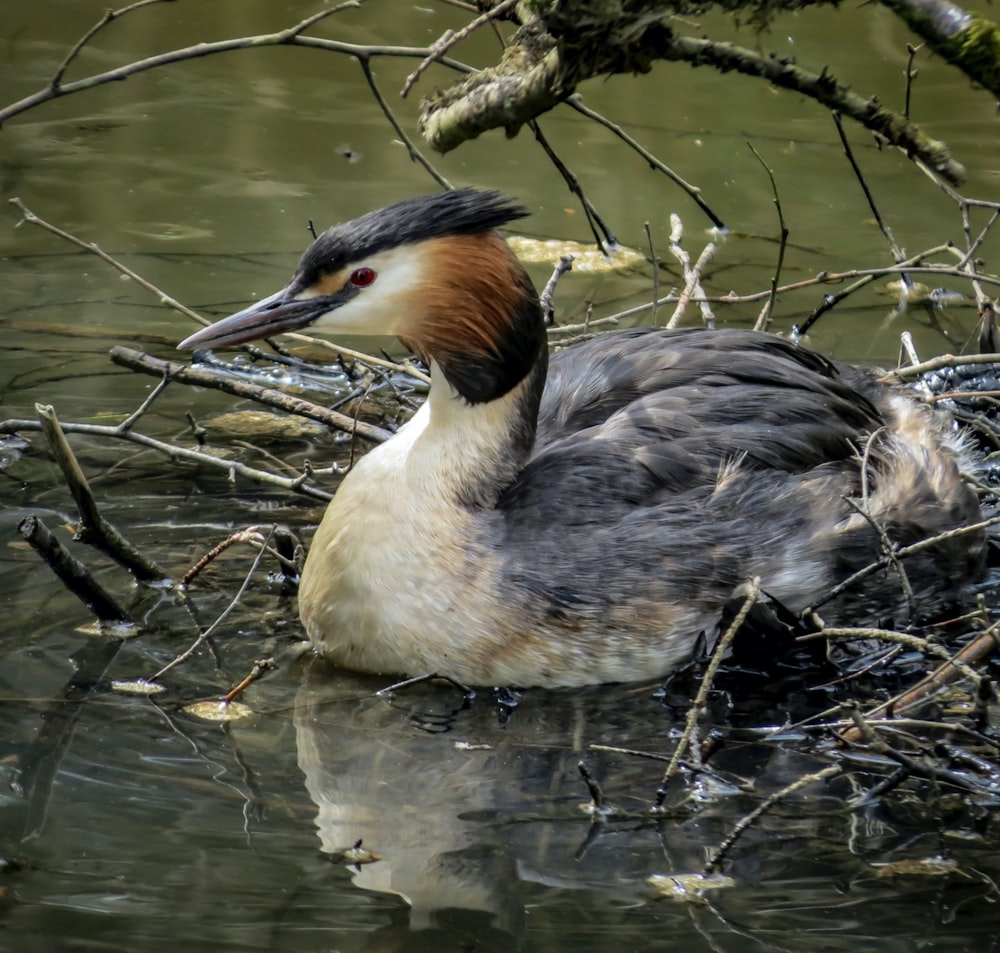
(483, 333)
(467, 453)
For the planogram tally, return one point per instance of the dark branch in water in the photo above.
(72, 573)
(94, 528)
(297, 484)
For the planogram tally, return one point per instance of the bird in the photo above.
(585, 518)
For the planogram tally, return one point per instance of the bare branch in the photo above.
(451, 39)
(287, 37)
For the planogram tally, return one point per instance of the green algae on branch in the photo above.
(970, 43)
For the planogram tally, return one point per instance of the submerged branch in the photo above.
(94, 528)
(185, 374)
(234, 467)
(72, 573)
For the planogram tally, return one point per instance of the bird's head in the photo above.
(431, 271)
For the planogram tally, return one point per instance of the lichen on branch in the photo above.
(971, 43)
(555, 51)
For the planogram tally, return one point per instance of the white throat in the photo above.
(401, 551)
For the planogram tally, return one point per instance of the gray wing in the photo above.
(638, 417)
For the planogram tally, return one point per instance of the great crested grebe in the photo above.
(583, 520)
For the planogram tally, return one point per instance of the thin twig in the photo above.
(925, 768)
(901, 553)
(984, 645)
(451, 39)
(603, 236)
(907, 639)
(655, 262)
(764, 318)
(576, 102)
(913, 371)
(897, 254)
(415, 154)
(597, 804)
(260, 668)
(198, 642)
(253, 536)
(234, 467)
(109, 15)
(32, 219)
(287, 37)
(719, 854)
(692, 274)
(911, 74)
(564, 264)
(201, 377)
(687, 739)
(402, 367)
(888, 547)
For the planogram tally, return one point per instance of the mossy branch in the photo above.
(536, 74)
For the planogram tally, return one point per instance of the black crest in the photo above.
(461, 212)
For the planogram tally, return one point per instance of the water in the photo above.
(129, 823)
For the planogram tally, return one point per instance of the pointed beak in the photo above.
(274, 315)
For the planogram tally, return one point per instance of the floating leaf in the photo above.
(261, 424)
(920, 867)
(359, 855)
(109, 630)
(138, 686)
(586, 258)
(689, 888)
(218, 710)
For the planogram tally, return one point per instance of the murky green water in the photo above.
(128, 823)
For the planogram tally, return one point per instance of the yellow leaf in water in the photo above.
(218, 710)
(689, 888)
(586, 258)
(137, 686)
(920, 867)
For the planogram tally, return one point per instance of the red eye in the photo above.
(363, 277)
